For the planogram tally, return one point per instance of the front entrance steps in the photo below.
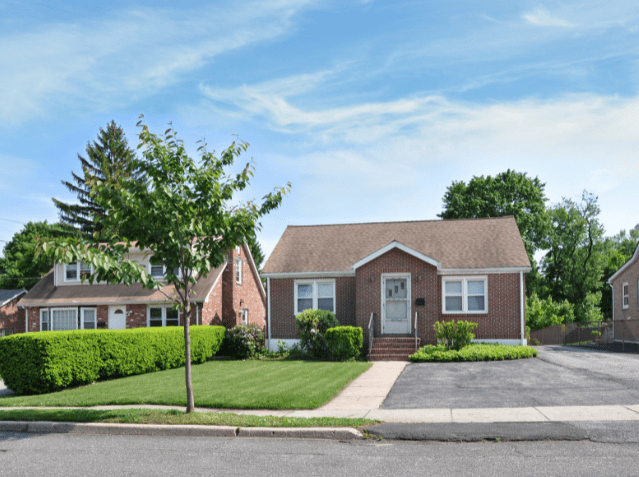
(393, 348)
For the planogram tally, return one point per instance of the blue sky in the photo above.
(370, 108)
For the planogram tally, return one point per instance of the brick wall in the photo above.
(283, 307)
(135, 316)
(12, 317)
(239, 296)
(360, 296)
(424, 282)
(630, 276)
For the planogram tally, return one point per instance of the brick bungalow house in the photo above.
(230, 294)
(11, 317)
(625, 300)
(400, 278)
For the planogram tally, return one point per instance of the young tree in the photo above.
(182, 213)
(19, 268)
(508, 193)
(109, 155)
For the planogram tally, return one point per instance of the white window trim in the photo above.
(163, 308)
(314, 284)
(51, 310)
(245, 316)
(77, 269)
(49, 323)
(625, 286)
(163, 279)
(464, 280)
(238, 270)
(82, 310)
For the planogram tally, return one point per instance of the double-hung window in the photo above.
(88, 318)
(238, 270)
(318, 294)
(245, 316)
(74, 271)
(159, 271)
(465, 295)
(163, 316)
(625, 297)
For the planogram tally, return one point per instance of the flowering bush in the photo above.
(244, 341)
(311, 326)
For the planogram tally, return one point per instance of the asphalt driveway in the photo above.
(561, 376)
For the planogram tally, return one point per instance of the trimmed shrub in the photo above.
(454, 335)
(36, 363)
(473, 352)
(243, 341)
(344, 342)
(311, 326)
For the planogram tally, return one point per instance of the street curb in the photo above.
(47, 427)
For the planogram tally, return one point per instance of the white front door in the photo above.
(395, 304)
(117, 317)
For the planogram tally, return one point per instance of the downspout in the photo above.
(523, 315)
(613, 311)
(26, 319)
(268, 313)
(197, 315)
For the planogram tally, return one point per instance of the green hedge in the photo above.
(344, 342)
(36, 363)
(473, 352)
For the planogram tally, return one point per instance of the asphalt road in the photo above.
(69, 455)
(561, 376)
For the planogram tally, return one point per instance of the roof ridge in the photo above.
(404, 221)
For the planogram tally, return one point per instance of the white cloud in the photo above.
(100, 64)
(543, 17)
(392, 160)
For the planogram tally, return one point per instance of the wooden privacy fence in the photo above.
(587, 333)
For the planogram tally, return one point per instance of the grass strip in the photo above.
(174, 417)
(216, 384)
(473, 352)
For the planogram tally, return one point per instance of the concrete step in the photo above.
(389, 356)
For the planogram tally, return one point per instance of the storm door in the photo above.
(396, 304)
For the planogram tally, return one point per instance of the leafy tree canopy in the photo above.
(19, 267)
(108, 156)
(180, 212)
(573, 265)
(508, 193)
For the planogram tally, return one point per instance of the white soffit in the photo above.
(395, 244)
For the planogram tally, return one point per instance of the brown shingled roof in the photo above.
(464, 243)
(44, 292)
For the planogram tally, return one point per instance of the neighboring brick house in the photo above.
(229, 295)
(625, 299)
(471, 269)
(11, 317)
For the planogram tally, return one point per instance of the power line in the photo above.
(9, 220)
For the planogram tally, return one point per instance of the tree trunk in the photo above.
(190, 402)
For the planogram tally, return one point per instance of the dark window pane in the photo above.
(325, 304)
(476, 303)
(156, 313)
(155, 322)
(172, 323)
(304, 304)
(453, 303)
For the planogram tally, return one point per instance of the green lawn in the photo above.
(216, 384)
(147, 416)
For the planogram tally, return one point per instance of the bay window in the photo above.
(465, 295)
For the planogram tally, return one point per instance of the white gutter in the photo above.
(613, 309)
(522, 306)
(268, 313)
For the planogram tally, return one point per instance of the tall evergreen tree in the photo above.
(107, 158)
